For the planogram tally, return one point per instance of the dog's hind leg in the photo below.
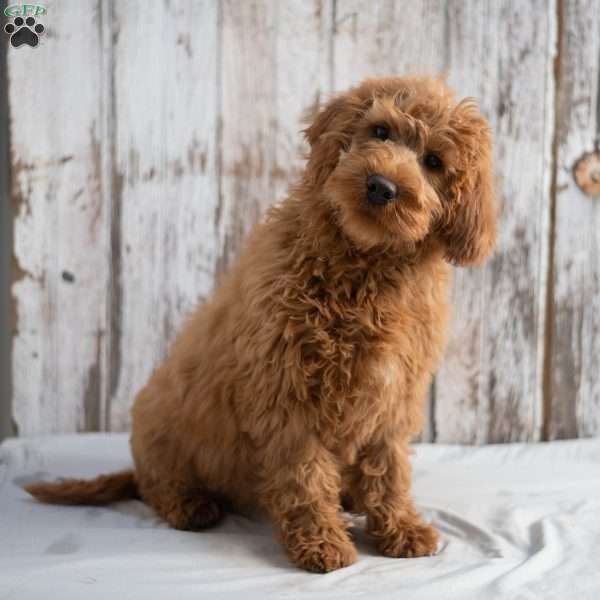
(165, 477)
(181, 505)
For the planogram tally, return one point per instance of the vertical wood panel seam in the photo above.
(332, 34)
(447, 44)
(597, 140)
(432, 404)
(274, 122)
(116, 262)
(7, 425)
(15, 271)
(487, 408)
(219, 250)
(112, 186)
(549, 302)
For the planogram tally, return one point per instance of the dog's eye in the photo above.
(433, 161)
(381, 132)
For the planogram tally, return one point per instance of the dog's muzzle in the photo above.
(380, 190)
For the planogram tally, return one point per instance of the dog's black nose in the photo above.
(380, 190)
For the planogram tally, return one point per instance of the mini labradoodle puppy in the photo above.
(302, 381)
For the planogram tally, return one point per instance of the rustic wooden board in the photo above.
(373, 43)
(486, 390)
(383, 41)
(490, 386)
(216, 143)
(60, 225)
(165, 188)
(574, 362)
(275, 63)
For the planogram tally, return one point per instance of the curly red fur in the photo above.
(303, 379)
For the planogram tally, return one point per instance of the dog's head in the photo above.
(402, 162)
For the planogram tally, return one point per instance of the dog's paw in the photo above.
(195, 513)
(324, 556)
(409, 541)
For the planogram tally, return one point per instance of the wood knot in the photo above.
(586, 171)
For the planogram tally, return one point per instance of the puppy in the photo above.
(302, 380)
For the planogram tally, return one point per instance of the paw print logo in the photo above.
(24, 31)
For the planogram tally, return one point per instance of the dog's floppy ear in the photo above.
(331, 131)
(469, 228)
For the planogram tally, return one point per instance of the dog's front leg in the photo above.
(301, 490)
(381, 489)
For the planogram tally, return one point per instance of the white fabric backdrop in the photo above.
(517, 521)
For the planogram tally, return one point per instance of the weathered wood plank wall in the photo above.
(61, 246)
(175, 124)
(503, 53)
(574, 355)
(165, 242)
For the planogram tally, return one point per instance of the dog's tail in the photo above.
(102, 490)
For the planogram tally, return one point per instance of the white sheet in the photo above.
(517, 521)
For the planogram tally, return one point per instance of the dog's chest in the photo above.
(383, 351)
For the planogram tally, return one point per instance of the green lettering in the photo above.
(12, 10)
